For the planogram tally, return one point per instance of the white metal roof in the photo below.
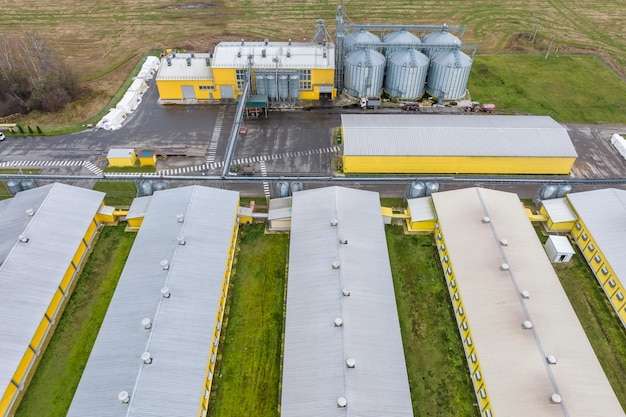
(604, 214)
(559, 210)
(139, 207)
(280, 208)
(120, 152)
(454, 135)
(179, 70)
(421, 209)
(182, 325)
(514, 369)
(315, 374)
(294, 55)
(30, 273)
(561, 244)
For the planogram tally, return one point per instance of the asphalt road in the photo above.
(288, 142)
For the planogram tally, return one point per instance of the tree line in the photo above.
(33, 77)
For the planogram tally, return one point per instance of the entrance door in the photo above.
(188, 92)
(227, 91)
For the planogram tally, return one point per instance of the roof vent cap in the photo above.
(146, 323)
(333, 222)
(123, 397)
(527, 325)
(504, 242)
(165, 264)
(551, 359)
(338, 322)
(342, 402)
(335, 265)
(525, 294)
(556, 398)
(345, 292)
(180, 217)
(181, 240)
(343, 240)
(504, 266)
(165, 292)
(30, 212)
(23, 239)
(350, 362)
(486, 219)
(146, 358)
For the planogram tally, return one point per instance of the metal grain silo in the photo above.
(406, 74)
(448, 74)
(271, 86)
(442, 37)
(14, 186)
(28, 184)
(261, 87)
(145, 188)
(401, 37)
(360, 37)
(294, 86)
(283, 86)
(364, 70)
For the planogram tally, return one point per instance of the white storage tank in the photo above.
(442, 37)
(402, 38)
(448, 74)
(270, 82)
(261, 87)
(294, 86)
(406, 74)
(283, 86)
(364, 70)
(360, 36)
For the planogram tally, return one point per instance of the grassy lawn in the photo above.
(571, 92)
(438, 373)
(248, 373)
(4, 191)
(52, 388)
(118, 193)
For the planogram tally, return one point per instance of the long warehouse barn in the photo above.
(455, 144)
(155, 353)
(343, 352)
(600, 233)
(45, 234)
(527, 352)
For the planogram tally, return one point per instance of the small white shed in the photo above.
(559, 249)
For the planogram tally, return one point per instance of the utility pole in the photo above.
(550, 46)
(532, 38)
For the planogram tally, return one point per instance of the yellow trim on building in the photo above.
(456, 165)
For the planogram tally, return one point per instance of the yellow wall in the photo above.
(171, 89)
(423, 226)
(456, 165)
(123, 162)
(473, 362)
(135, 222)
(219, 317)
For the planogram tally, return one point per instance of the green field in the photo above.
(51, 391)
(118, 193)
(103, 44)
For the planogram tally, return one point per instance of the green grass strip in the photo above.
(247, 377)
(58, 374)
(118, 193)
(436, 365)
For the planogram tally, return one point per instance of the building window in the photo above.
(584, 236)
(597, 258)
(473, 358)
(460, 311)
(469, 341)
(612, 283)
(591, 248)
(487, 413)
(464, 325)
(452, 283)
(449, 271)
(478, 376)
(206, 87)
(578, 226)
(305, 79)
(456, 296)
(483, 394)
(604, 270)
(240, 75)
(620, 296)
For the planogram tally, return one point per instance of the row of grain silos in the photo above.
(286, 86)
(405, 66)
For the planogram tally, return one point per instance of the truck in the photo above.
(410, 106)
(488, 108)
(371, 103)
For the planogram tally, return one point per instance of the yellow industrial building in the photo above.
(455, 144)
(281, 71)
(157, 348)
(118, 157)
(45, 235)
(597, 223)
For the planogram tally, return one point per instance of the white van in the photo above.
(2, 137)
